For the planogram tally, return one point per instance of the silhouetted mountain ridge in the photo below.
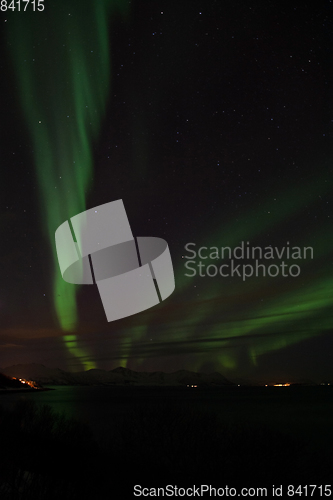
(119, 376)
(7, 383)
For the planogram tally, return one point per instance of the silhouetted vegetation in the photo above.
(47, 456)
(44, 455)
(183, 445)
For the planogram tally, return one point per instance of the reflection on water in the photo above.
(302, 411)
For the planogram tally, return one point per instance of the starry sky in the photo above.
(213, 122)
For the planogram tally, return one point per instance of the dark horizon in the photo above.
(35, 372)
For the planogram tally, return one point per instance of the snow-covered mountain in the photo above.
(119, 376)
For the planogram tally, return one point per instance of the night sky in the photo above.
(213, 122)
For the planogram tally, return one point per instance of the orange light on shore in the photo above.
(30, 383)
(281, 385)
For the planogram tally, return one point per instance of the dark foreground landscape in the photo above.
(235, 436)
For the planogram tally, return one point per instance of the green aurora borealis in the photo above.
(64, 89)
(216, 133)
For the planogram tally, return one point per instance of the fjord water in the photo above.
(242, 436)
(302, 412)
